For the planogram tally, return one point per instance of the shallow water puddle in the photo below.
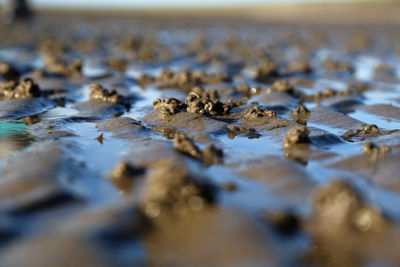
(365, 67)
(377, 97)
(345, 149)
(240, 148)
(382, 93)
(380, 121)
(99, 155)
(144, 103)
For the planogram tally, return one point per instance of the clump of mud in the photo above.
(71, 70)
(266, 71)
(301, 110)
(206, 104)
(295, 136)
(298, 66)
(375, 151)
(170, 188)
(339, 206)
(282, 86)
(247, 90)
(233, 130)
(256, 112)
(116, 63)
(97, 92)
(358, 42)
(185, 80)
(51, 47)
(124, 175)
(300, 114)
(198, 101)
(343, 220)
(364, 131)
(336, 65)
(383, 68)
(210, 155)
(26, 88)
(145, 79)
(169, 106)
(143, 48)
(183, 144)
(326, 93)
(124, 170)
(353, 89)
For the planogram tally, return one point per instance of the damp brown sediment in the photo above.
(213, 140)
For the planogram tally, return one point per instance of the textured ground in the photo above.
(176, 142)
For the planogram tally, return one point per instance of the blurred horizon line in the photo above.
(126, 5)
(373, 12)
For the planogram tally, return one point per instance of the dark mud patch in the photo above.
(19, 108)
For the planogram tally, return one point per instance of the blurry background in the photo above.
(165, 3)
(313, 11)
(168, 4)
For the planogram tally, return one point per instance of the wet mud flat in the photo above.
(151, 142)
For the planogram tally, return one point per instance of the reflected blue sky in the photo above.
(161, 3)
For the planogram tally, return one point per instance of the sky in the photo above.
(158, 3)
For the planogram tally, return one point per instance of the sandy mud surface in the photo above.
(144, 142)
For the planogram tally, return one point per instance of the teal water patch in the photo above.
(14, 137)
(11, 127)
